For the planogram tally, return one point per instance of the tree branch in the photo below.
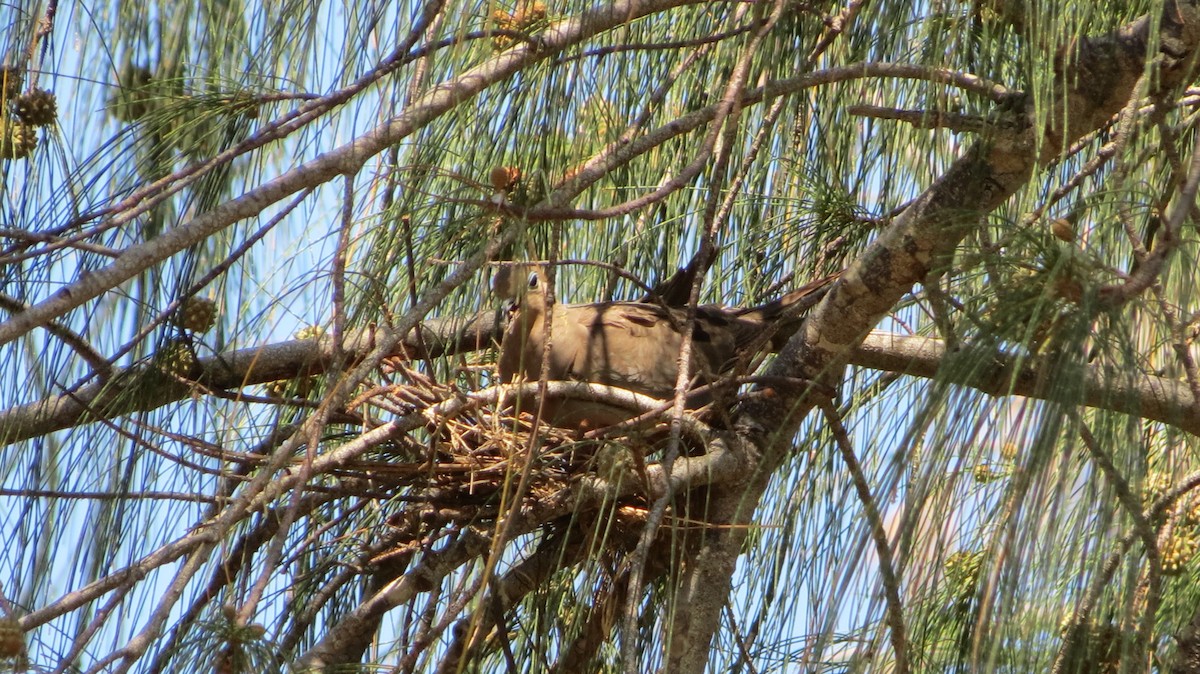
(1147, 396)
(346, 159)
(921, 237)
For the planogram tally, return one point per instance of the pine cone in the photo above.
(1177, 551)
(10, 82)
(198, 314)
(36, 107)
(176, 358)
(17, 139)
(12, 639)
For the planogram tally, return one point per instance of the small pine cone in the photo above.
(532, 14)
(986, 472)
(1063, 229)
(310, 332)
(17, 139)
(1176, 552)
(176, 358)
(1154, 487)
(198, 314)
(299, 387)
(503, 20)
(10, 82)
(12, 639)
(504, 178)
(962, 572)
(36, 107)
(1189, 514)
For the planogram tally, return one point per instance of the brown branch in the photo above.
(126, 392)
(883, 548)
(1147, 396)
(920, 238)
(925, 119)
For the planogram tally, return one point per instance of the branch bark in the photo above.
(922, 237)
(1148, 396)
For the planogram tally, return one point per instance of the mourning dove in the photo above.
(635, 345)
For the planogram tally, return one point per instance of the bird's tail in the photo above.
(794, 303)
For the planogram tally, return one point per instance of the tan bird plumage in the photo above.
(636, 345)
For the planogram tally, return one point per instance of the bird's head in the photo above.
(523, 285)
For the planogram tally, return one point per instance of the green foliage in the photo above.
(237, 519)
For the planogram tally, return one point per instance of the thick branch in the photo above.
(1147, 396)
(1097, 79)
(139, 390)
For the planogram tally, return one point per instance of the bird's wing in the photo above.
(626, 344)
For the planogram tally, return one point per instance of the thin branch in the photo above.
(1141, 395)
(926, 119)
(345, 159)
(655, 46)
(887, 567)
(834, 28)
(113, 496)
(68, 336)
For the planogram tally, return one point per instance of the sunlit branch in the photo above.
(925, 119)
(1148, 396)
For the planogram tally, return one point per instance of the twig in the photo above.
(887, 568)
